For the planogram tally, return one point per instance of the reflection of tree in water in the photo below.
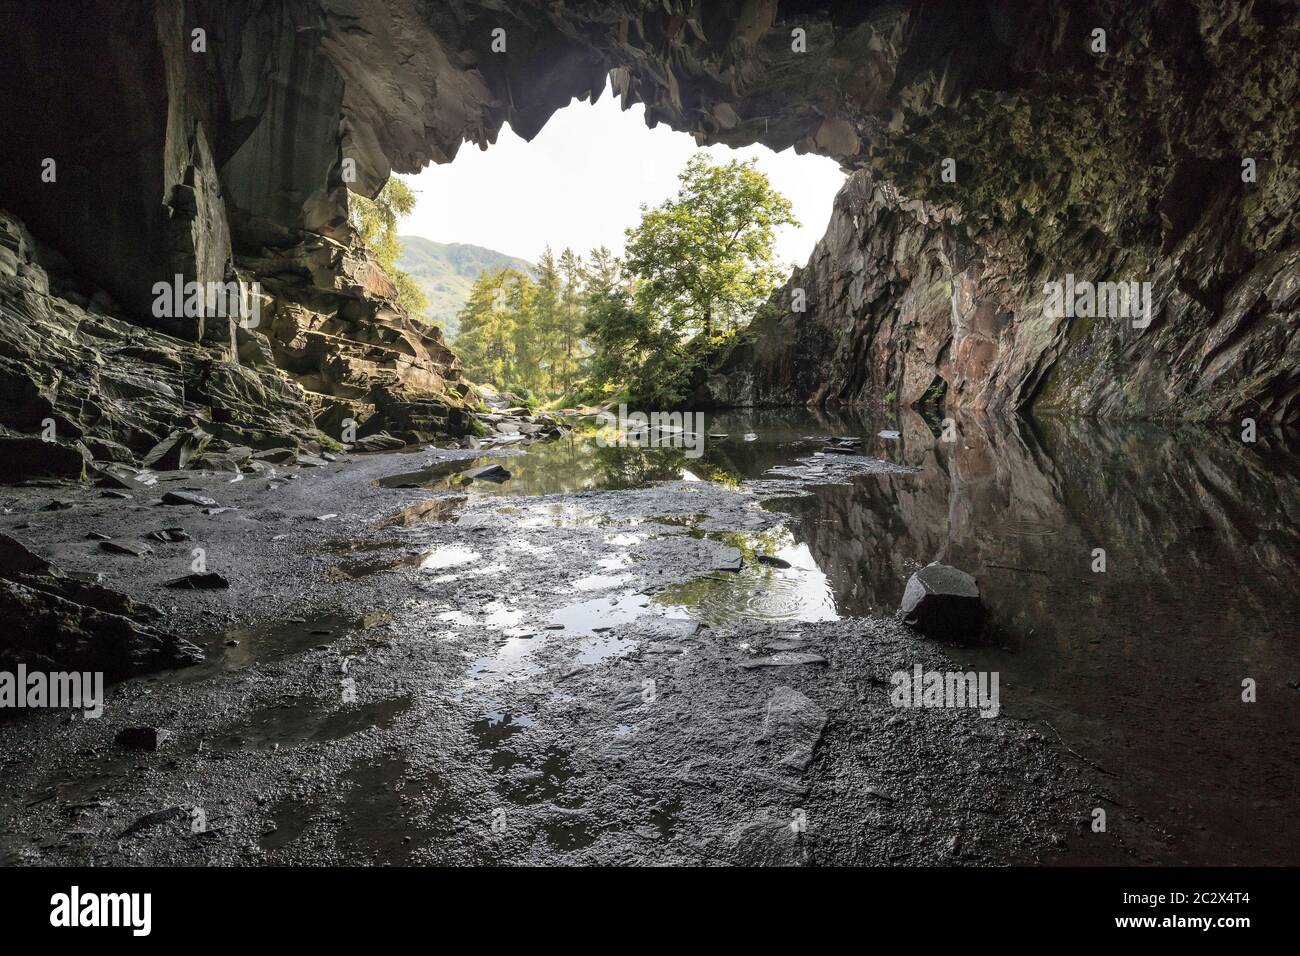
(757, 591)
(627, 466)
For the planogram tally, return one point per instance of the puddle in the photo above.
(576, 463)
(450, 556)
(602, 647)
(600, 582)
(433, 511)
(308, 722)
(291, 817)
(437, 476)
(570, 834)
(690, 522)
(376, 810)
(362, 569)
(348, 546)
(625, 540)
(437, 559)
(494, 731)
(241, 647)
(778, 582)
(511, 661)
(664, 817)
(602, 614)
(386, 813)
(531, 779)
(500, 616)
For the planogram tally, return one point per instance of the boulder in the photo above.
(943, 601)
(209, 581)
(58, 622)
(141, 738)
(380, 441)
(175, 451)
(128, 548)
(187, 498)
(29, 456)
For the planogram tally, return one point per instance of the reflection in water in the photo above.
(779, 581)
(1139, 668)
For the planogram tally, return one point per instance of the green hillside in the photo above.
(447, 270)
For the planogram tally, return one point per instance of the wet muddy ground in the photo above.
(624, 656)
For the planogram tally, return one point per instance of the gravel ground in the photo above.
(434, 675)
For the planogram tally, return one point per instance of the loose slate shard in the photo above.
(488, 473)
(142, 738)
(187, 498)
(792, 727)
(175, 451)
(210, 581)
(128, 548)
(943, 601)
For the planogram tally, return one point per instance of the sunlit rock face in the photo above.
(232, 151)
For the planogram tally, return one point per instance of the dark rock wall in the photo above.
(216, 158)
(877, 318)
(1122, 166)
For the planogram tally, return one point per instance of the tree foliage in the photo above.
(697, 269)
(523, 332)
(374, 221)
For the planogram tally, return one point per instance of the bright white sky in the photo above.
(581, 182)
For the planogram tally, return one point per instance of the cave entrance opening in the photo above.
(552, 216)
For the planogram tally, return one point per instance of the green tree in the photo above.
(699, 265)
(488, 341)
(572, 314)
(374, 222)
(542, 336)
(704, 258)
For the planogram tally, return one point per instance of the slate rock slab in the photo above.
(792, 728)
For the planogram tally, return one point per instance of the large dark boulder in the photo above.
(56, 622)
(29, 456)
(943, 601)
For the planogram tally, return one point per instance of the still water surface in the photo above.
(1140, 669)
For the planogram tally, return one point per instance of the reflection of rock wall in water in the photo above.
(1027, 502)
(1139, 668)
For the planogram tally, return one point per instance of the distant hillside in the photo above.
(447, 270)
